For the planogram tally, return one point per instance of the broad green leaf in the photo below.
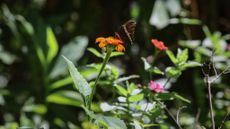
(182, 56)
(74, 50)
(111, 122)
(136, 98)
(95, 52)
(156, 70)
(181, 98)
(173, 72)
(52, 44)
(171, 56)
(121, 90)
(159, 16)
(65, 98)
(80, 83)
(146, 63)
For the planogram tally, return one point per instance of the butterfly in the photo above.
(126, 32)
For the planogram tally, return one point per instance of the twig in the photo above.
(168, 80)
(178, 113)
(222, 122)
(197, 120)
(170, 114)
(208, 84)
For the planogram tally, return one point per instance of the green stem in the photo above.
(105, 61)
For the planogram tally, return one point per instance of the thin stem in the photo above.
(170, 114)
(105, 61)
(178, 114)
(222, 123)
(167, 81)
(210, 100)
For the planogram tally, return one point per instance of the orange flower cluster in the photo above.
(103, 42)
(159, 44)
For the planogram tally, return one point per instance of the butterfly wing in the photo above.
(126, 32)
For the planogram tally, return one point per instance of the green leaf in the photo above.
(181, 98)
(121, 90)
(156, 71)
(182, 56)
(52, 44)
(38, 108)
(80, 83)
(111, 122)
(190, 43)
(173, 72)
(136, 98)
(190, 64)
(187, 21)
(165, 96)
(159, 16)
(65, 98)
(74, 50)
(146, 64)
(95, 52)
(174, 7)
(122, 79)
(115, 54)
(61, 83)
(171, 56)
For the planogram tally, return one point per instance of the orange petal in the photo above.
(102, 44)
(120, 48)
(100, 39)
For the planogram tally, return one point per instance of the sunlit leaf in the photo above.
(111, 122)
(171, 56)
(95, 52)
(80, 83)
(52, 44)
(173, 72)
(121, 90)
(65, 98)
(74, 50)
(182, 56)
(136, 98)
(146, 63)
(159, 16)
(156, 70)
(174, 7)
(115, 54)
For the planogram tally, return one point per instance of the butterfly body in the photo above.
(126, 32)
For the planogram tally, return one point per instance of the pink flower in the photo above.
(156, 87)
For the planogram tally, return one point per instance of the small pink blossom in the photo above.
(156, 87)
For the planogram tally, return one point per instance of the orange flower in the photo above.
(103, 42)
(159, 44)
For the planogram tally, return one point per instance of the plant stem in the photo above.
(210, 101)
(105, 61)
(170, 114)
